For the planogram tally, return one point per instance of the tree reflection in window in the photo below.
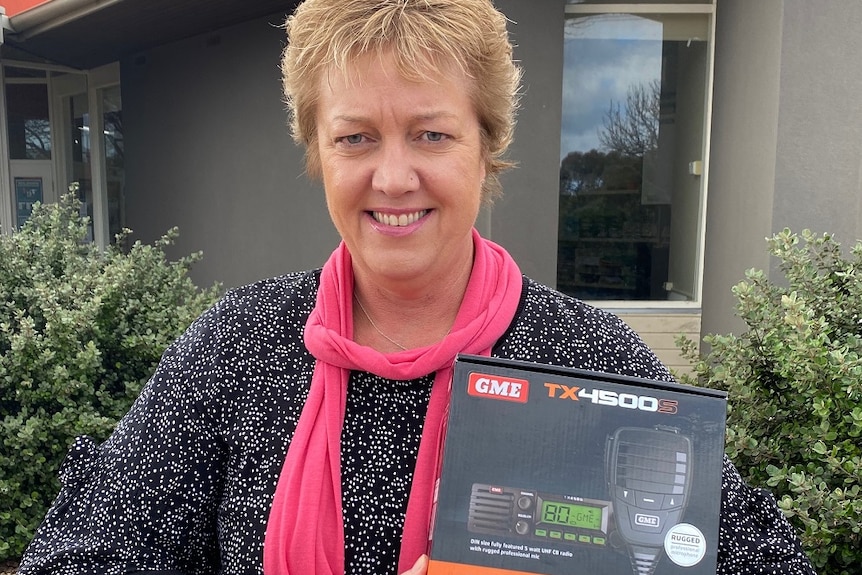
(29, 123)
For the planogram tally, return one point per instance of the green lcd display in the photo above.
(571, 515)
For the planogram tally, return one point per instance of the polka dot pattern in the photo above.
(382, 429)
(185, 482)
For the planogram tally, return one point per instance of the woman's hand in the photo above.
(419, 568)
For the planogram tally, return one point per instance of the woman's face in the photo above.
(402, 164)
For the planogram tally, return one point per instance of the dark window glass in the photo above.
(29, 124)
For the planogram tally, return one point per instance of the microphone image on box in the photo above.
(649, 479)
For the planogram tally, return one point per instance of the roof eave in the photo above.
(50, 15)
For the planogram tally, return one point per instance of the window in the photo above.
(76, 113)
(80, 171)
(90, 146)
(29, 121)
(112, 124)
(632, 152)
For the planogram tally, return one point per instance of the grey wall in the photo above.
(525, 220)
(787, 136)
(817, 176)
(208, 150)
(743, 151)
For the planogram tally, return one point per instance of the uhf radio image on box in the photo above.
(551, 470)
(497, 510)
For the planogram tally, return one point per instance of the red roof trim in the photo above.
(15, 7)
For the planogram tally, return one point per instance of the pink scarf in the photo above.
(305, 532)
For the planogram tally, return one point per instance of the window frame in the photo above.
(707, 10)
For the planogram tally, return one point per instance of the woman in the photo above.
(292, 428)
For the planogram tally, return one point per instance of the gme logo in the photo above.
(646, 520)
(497, 387)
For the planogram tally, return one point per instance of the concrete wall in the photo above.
(743, 151)
(208, 150)
(819, 151)
(786, 137)
(525, 220)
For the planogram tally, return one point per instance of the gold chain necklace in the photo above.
(374, 325)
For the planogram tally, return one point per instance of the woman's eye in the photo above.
(434, 136)
(353, 139)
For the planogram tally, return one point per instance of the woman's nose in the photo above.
(394, 173)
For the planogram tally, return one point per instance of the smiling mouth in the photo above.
(398, 220)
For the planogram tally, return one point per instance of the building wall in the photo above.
(743, 151)
(208, 150)
(660, 330)
(207, 147)
(525, 220)
(819, 151)
(786, 137)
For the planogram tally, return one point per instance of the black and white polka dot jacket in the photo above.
(184, 484)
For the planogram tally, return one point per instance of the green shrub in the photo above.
(795, 384)
(80, 331)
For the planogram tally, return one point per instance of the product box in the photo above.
(561, 471)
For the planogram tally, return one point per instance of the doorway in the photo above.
(63, 135)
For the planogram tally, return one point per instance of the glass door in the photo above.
(29, 140)
(90, 147)
(114, 159)
(64, 127)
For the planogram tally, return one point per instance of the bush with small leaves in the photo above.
(81, 329)
(795, 383)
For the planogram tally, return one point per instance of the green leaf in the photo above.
(80, 329)
(794, 379)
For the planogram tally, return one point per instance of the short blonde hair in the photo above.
(424, 36)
